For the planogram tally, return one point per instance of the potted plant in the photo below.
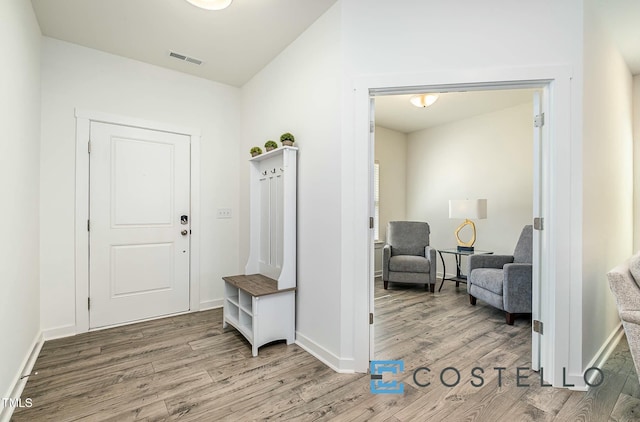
(255, 151)
(269, 145)
(287, 139)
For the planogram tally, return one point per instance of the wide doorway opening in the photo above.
(473, 143)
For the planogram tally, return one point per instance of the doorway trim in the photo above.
(562, 316)
(83, 128)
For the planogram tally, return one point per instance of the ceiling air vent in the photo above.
(184, 58)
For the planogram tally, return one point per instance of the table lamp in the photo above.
(467, 209)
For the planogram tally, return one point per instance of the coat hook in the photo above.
(273, 171)
(264, 173)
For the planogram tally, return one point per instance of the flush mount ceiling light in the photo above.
(423, 100)
(211, 4)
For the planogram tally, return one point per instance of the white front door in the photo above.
(139, 224)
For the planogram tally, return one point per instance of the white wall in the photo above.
(388, 44)
(636, 160)
(391, 154)
(19, 188)
(382, 37)
(78, 77)
(487, 156)
(299, 92)
(607, 179)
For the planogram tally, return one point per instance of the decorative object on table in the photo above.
(423, 100)
(467, 209)
(407, 256)
(269, 145)
(255, 151)
(287, 139)
(504, 281)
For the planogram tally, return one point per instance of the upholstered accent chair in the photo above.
(623, 282)
(504, 281)
(407, 256)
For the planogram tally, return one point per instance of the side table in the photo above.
(459, 278)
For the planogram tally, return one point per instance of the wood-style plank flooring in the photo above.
(188, 368)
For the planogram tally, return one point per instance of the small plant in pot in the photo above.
(255, 151)
(287, 139)
(269, 145)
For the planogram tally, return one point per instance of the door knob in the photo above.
(184, 232)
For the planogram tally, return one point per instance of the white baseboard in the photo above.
(597, 361)
(211, 304)
(18, 384)
(343, 366)
(70, 330)
(59, 332)
(607, 348)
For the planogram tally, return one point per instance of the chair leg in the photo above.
(472, 300)
(432, 288)
(386, 284)
(510, 318)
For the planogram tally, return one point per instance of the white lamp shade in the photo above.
(475, 209)
(211, 4)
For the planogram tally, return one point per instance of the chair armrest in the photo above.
(488, 261)
(517, 288)
(386, 256)
(430, 254)
(630, 316)
(626, 292)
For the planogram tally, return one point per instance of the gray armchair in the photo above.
(623, 282)
(504, 281)
(407, 256)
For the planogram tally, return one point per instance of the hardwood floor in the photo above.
(189, 368)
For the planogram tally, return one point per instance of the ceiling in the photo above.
(234, 44)
(397, 113)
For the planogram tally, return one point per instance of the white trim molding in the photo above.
(207, 305)
(341, 365)
(59, 332)
(598, 361)
(83, 128)
(18, 384)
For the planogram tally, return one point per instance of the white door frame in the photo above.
(561, 314)
(539, 185)
(83, 127)
(372, 239)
